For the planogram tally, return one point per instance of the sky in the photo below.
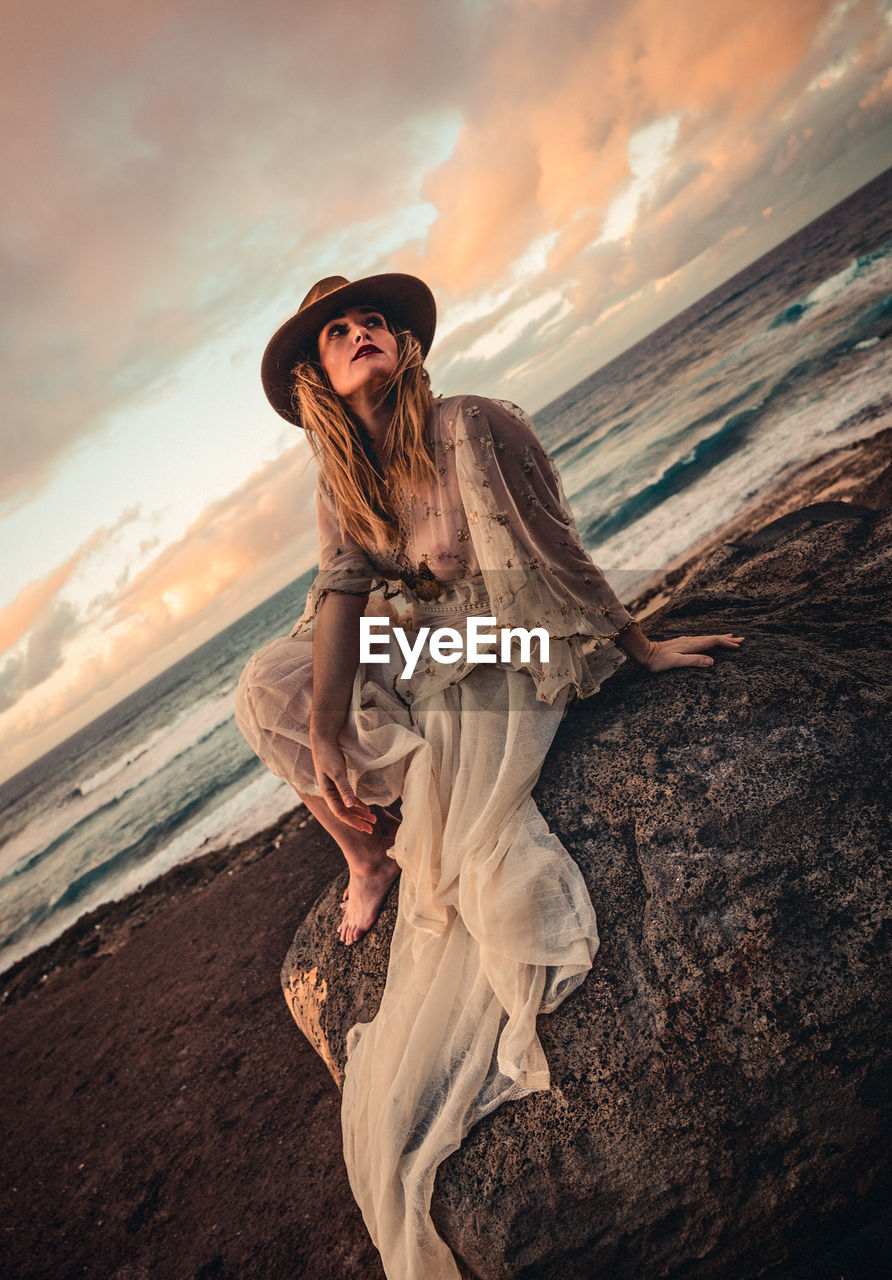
(566, 175)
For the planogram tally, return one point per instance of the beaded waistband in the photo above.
(463, 597)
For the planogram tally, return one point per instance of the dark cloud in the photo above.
(43, 655)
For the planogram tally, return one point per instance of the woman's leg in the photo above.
(273, 705)
(372, 872)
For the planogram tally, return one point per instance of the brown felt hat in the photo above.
(406, 302)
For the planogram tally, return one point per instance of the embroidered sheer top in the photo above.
(492, 535)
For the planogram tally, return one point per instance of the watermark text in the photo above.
(446, 644)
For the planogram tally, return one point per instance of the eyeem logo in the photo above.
(445, 644)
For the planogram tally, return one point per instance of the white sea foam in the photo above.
(264, 801)
(162, 746)
(861, 276)
(795, 432)
(832, 287)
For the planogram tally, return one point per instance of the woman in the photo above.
(453, 505)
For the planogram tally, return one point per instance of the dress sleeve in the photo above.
(536, 570)
(343, 564)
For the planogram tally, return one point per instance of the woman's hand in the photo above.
(685, 651)
(331, 779)
(682, 651)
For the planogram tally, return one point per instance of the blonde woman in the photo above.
(452, 508)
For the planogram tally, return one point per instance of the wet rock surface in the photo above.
(720, 1103)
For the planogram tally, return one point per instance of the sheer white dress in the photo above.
(495, 924)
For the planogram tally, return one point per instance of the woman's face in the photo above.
(358, 352)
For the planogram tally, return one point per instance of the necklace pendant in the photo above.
(423, 582)
(426, 587)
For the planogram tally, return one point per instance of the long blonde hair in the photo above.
(343, 449)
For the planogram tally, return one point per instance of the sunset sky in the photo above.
(565, 174)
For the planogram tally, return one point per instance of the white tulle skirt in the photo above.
(494, 926)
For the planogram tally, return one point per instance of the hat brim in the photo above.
(406, 301)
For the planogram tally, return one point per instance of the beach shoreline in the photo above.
(165, 1115)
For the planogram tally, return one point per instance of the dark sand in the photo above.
(163, 1117)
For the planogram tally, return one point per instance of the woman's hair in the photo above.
(344, 450)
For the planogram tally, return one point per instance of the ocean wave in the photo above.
(139, 851)
(587, 437)
(163, 744)
(789, 315)
(878, 314)
(108, 786)
(259, 805)
(699, 460)
(868, 413)
(812, 372)
(834, 286)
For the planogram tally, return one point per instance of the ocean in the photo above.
(785, 361)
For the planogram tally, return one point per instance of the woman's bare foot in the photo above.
(364, 898)
(387, 826)
(372, 872)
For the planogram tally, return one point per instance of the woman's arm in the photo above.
(519, 516)
(335, 660)
(662, 655)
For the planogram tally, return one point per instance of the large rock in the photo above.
(718, 1105)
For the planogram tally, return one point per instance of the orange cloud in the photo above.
(576, 89)
(879, 92)
(17, 619)
(237, 553)
(221, 550)
(170, 171)
(545, 142)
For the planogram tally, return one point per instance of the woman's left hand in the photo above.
(685, 651)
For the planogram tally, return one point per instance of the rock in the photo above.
(719, 1105)
(814, 513)
(330, 987)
